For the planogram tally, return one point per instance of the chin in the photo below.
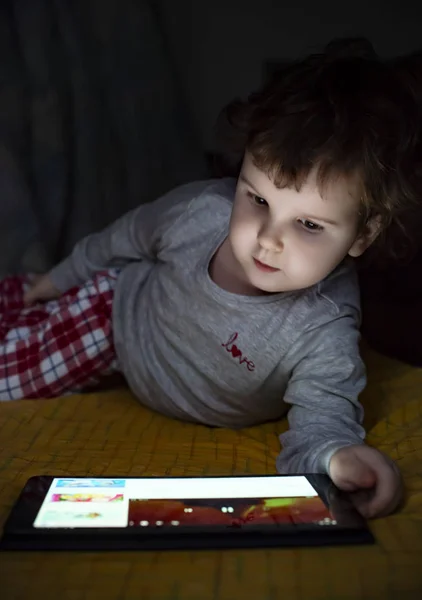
(266, 289)
(274, 288)
(277, 290)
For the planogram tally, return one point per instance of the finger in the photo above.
(31, 296)
(385, 497)
(28, 298)
(355, 475)
(371, 505)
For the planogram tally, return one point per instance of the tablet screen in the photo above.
(171, 503)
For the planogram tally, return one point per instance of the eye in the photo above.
(310, 226)
(257, 199)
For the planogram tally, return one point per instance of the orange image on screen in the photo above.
(87, 497)
(230, 512)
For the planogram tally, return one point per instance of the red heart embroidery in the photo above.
(235, 351)
(231, 347)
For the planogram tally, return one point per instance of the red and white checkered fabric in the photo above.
(57, 347)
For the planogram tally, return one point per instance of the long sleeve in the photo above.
(135, 236)
(325, 414)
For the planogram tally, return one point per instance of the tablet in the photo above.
(147, 513)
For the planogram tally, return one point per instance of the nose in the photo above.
(270, 238)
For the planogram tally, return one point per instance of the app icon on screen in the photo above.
(84, 483)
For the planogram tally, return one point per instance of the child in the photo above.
(229, 303)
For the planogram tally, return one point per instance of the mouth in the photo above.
(263, 267)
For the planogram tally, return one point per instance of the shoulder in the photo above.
(340, 290)
(185, 202)
(328, 321)
(202, 205)
(192, 211)
(209, 189)
(334, 302)
(212, 195)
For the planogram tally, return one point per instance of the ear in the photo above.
(366, 237)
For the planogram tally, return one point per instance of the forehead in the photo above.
(337, 196)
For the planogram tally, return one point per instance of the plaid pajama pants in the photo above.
(58, 347)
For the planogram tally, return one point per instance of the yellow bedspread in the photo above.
(110, 433)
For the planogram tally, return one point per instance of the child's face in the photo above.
(283, 239)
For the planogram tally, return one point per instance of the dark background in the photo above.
(106, 104)
(220, 47)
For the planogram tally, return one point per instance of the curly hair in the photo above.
(343, 112)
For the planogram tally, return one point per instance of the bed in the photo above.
(108, 432)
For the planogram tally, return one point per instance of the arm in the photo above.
(135, 236)
(326, 380)
(326, 433)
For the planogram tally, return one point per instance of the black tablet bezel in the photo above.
(19, 533)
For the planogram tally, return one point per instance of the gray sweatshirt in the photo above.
(196, 352)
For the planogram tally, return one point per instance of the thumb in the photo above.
(29, 299)
(31, 294)
(355, 474)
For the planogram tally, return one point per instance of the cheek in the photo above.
(313, 254)
(242, 224)
(319, 255)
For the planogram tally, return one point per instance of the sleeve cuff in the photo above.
(324, 457)
(63, 276)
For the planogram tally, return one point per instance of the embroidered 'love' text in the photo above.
(231, 347)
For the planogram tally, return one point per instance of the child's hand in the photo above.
(372, 477)
(41, 289)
